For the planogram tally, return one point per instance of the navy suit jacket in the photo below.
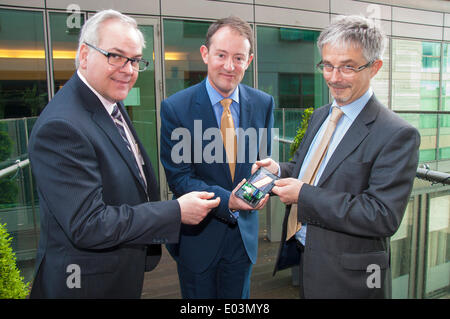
(94, 210)
(357, 205)
(191, 108)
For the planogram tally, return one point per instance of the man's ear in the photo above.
(376, 66)
(204, 52)
(82, 56)
(250, 59)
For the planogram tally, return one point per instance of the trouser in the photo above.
(227, 277)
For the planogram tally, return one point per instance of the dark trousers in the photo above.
(301, 249)
(227, 277)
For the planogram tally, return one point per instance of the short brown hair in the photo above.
(236, 24)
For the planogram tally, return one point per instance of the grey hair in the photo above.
(354, 30)
(90, 31)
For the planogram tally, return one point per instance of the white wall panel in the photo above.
(24, 3)
(129, 6)
(370, 10)
(206, 9)
(291, 17)
(417, 16)
(416, 31)
(317, 5)
(446, 34)
(447, 20)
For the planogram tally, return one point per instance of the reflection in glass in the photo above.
(438, 250)
(64, 37)
(401, 245)
(141, 101)
(23, 77)
(415, 75)
(427, 126)
(286, 67)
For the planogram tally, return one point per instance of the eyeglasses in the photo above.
(345, 70)
(119, 60)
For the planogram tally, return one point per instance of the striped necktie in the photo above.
(119, 122)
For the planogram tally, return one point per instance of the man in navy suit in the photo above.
(215, 257)
(102, 223)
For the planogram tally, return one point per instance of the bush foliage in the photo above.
(12, 285)
(300, 131)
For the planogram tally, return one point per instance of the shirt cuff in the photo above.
(235, 214)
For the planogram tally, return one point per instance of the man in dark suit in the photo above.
(215, 258)
(363, 180)
(101, 219)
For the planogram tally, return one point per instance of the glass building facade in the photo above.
(38, 42)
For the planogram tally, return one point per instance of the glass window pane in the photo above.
(183, 63)
(438, 250)
(427, 126)
(23, 77)
(141, 101)
(380, 83)
(401, 247)
(444, 137)
(64, 37)
(446, 79)
(415, 75)
(286, 67)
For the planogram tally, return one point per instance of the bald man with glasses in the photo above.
(102, 221)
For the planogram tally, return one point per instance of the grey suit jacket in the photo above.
(356, 206)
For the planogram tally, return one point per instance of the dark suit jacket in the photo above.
(199, 244)
(356, 206)
(94, 210)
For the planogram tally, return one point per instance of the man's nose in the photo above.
(335, 75)
(127, 68)
(229, 65)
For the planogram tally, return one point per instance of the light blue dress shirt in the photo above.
(351, 112)
(215, 98)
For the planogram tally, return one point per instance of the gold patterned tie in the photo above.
(228, 135)
(313, 167)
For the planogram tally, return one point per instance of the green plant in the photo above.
(300, 131)
(12, 285)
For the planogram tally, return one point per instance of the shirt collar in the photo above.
(353, 109)
(107, 104)
(216, 97)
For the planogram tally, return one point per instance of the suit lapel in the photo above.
(103, 120)
(245, 108)
(354, 136)
(313, 128)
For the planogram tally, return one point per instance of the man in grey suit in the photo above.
(362, 182)
(102, 223)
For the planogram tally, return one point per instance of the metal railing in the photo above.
(19, 164)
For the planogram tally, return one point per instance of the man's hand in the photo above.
(268, 164)
(288, 190)
(235, 203)
(195, 206)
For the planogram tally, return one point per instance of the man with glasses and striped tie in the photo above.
(349, 182)
(102, 221)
